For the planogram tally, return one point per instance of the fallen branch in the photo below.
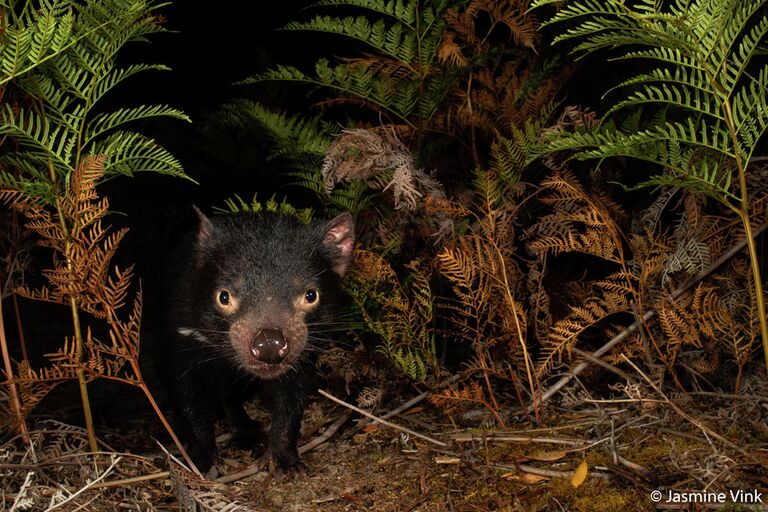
(382, 420)
(394, 412)
(706, 430)
(647, 316)
(329, 432)
(509, 438)
(132, 480)
(549, 473)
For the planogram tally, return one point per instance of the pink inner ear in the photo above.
(346, 247)
(340, 237)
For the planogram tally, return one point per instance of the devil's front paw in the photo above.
(277, 462)
(203, 457)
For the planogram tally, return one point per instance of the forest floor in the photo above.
(583, 454)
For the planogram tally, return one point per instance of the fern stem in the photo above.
(756, 277)
(519, 332)
(77, 328)
(19, 328)
(81, 380)
(143, 386)
(507, 290)
(15, 403)
(743, 213)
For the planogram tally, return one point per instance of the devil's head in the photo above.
(267, 279)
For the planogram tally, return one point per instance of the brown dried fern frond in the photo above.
(81, 278)
(564, 334)
(733, 313)
(449, 52)
(651, 252)
(454, 400)
(380, 65)
(483, 309)
(497, 92)
(539, 299)
(383, 162)
(34, 385)
(199, 495)
(579, 223)
(679, 325)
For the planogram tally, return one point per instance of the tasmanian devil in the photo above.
(254, 294)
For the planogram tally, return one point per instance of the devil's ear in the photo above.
(205, 227)
(339, 242)
(204, 235)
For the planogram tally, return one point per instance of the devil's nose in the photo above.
(269, 346)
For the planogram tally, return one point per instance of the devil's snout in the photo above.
(269, 346)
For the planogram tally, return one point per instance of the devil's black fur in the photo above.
(252, 295)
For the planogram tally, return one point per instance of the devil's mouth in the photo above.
(266, 370)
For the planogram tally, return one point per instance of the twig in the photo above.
(381, 420)
(589, 357)
(729, 396)
(623, 400)
(9, 375)
(706, 430)
(18, 501)
(329, 432)
(407, 405)
(508, 438)
(19, 328)
(394, 412)
(546, 472)
(133, 480)
(635, 467)
(86, 487)
(647, 316)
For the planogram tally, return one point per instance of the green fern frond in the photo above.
(411, 35)
(64, 127)
(395, 40)
(686, 95)
(403, 11)
(750, 112)
(131, 152)
(102, 123)
(409, 39)
(509, 156)
(41, 35)
(109, 81)
(237, 204)
(292, 135)
(37, 138)
(702, 48)
(408, 360)
(710, 78)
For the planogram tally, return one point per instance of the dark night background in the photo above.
(208, 51)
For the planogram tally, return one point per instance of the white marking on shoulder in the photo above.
(192, 333)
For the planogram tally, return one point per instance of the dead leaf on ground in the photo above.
(526, 478)
(580, 474)
(547, 456)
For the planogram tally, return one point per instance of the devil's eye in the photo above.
(311, 296)
(224, 297)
